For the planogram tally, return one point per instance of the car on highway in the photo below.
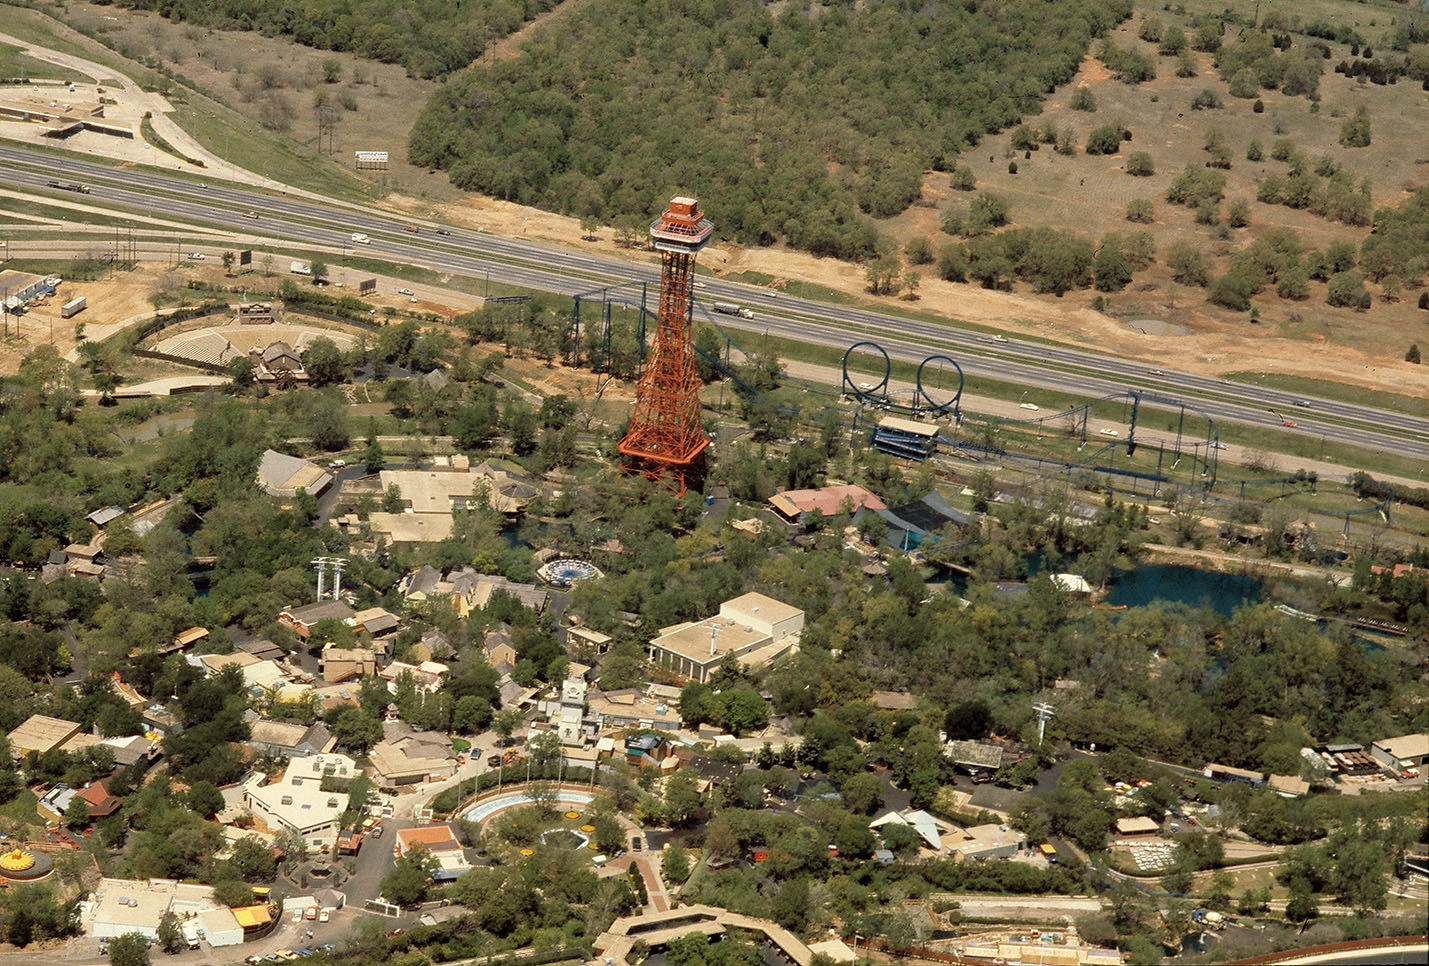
(1031, 406)
(1108, 432)
(999, 338)
(1155, 372)
(1220, 445)
(195, 256)
(250, 214)
(1303, 403)
(361, 239)
(412, 228)
(1290, 423)
(443, 231)
(405, 291)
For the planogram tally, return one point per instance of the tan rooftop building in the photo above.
(41, 734)
(344, 663)
(1137, 826)
(753, 628)
(1402, 753)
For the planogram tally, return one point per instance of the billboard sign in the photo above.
(366, 285)
(245, 257)
(371, 160)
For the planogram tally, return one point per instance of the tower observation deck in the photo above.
(666, 439)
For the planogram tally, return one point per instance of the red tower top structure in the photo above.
(666, 439)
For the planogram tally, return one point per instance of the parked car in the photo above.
(404, 291)
(325, 915)
(337, 464)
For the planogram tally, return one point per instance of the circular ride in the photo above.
(567, 572)
(22, 865)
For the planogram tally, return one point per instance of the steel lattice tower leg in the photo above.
(666, 439)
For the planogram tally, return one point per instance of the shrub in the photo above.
(1185, 64)
(1232, 291)
(1206, 100)
(1413, 354)
(1140, 165)
(1143, 212)
(1208, 212)
(961, 178)
(1355, 132)
(1347, 290)
(919, 251)
(1282, 149)
(1024, 138)
(1238, 214)
(1150, 30)
(1196, 185)
(1244, 84)
(1082, 100)
(1012, 167)
(1424, 300)
(1173, 42)
(1253, 152)
(1188, 265)
(1104, 140)
(1258, 107)
(1293, 283)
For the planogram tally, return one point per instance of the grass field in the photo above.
(14, 63)
(1327, 389)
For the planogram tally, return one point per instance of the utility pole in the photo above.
(1044, 711)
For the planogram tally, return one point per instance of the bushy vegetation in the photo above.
(430, 38)
(795, 127)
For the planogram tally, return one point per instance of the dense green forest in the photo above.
(431, 38)
(794, 126)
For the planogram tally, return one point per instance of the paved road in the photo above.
(549, 268)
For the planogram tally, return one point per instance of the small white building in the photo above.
(297, 801)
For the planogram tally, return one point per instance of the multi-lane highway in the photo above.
(300, 221)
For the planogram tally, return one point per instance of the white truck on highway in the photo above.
(360, 238)
(729, 308)
(300, 268)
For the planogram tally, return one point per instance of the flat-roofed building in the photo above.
(297, 802)
(120, 906)
(754, 629)
(982, 842)
(41, 734)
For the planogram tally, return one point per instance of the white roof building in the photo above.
(297, 801)
(132, 905)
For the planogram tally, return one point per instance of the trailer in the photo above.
(68, 186)
(300, 268)
(73, 307)
(729, 308)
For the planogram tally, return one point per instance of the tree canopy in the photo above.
(795, 125)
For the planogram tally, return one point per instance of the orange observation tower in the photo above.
(666, 440)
